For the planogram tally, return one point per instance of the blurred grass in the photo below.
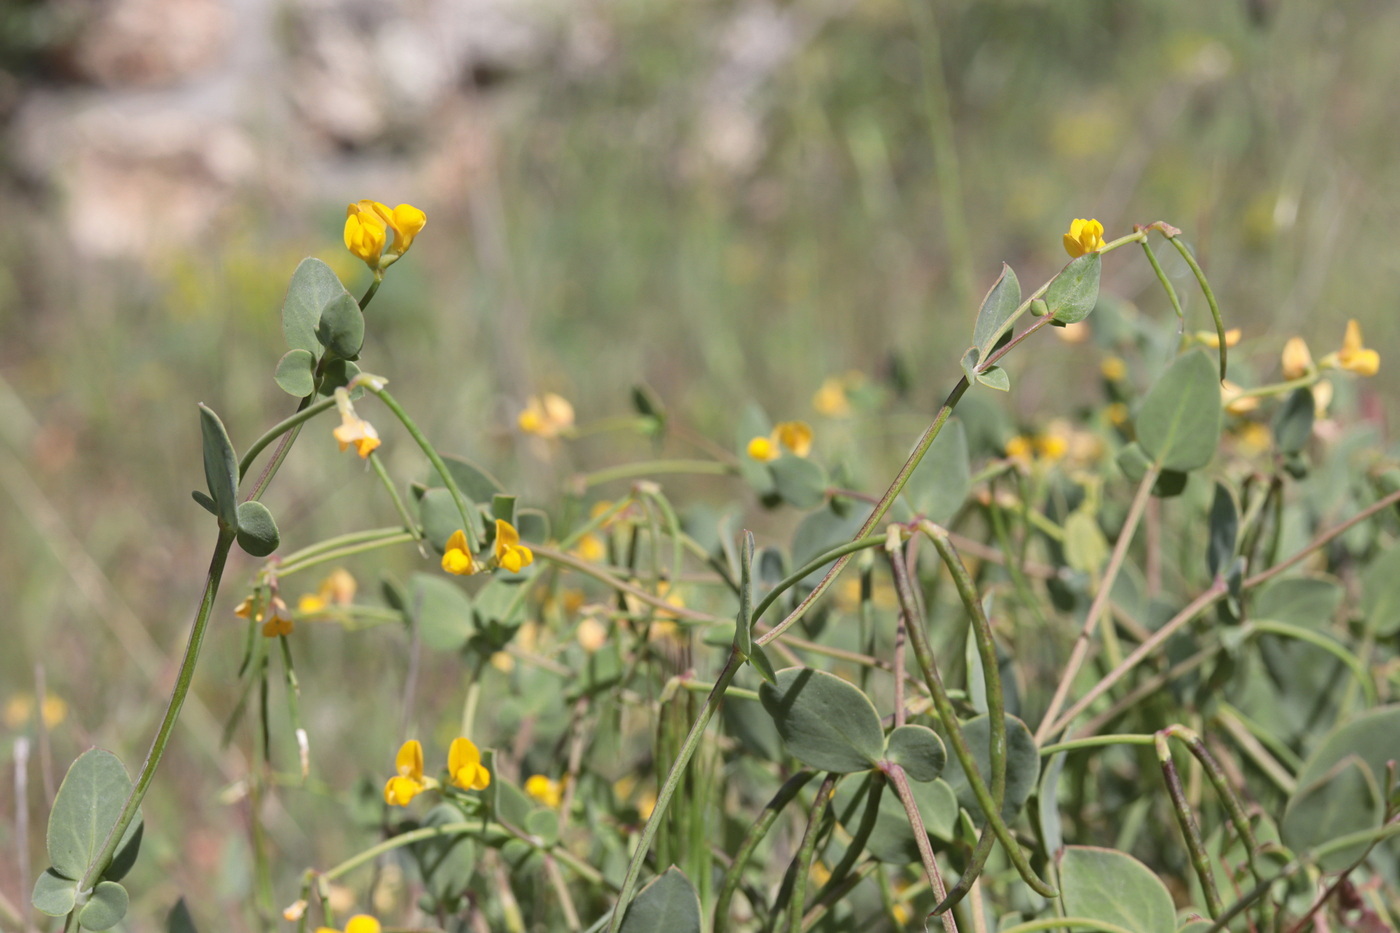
(602, 248)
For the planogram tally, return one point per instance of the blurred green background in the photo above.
(724, 200)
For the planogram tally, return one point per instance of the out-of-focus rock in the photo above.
(142, 43)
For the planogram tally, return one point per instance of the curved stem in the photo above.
(464, 505)
(1175, 240)
(654, 467)
(756, 834)
(301, 416)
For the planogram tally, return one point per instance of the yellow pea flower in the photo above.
(510, 553)
(546, 416)
(591, 548)
(353, 429)
(796, 436)
(365, 233)
(1113, 368)
(1211, 339)
(279, 620)
(763, 449)
(409, 782)
(546, 791)
(457, 558)
(831, 399)
(591, 634)
(1296, 358)
(465, 767)
(360, 923)
(337, 589)
(1020, 448)
(1354, 356)
(406, 221)
(1085, 236)
(1235, 400)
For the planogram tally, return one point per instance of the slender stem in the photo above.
(408, 522)
(1065, 923)
(301, 416)
(1186, 822)
(464, 505)
(900, 780)
(172, 713)
(1081, 646)
(1181, 248)
(398, 537)
(593, 570)
(652, 468)
(802, 862)
(1162, 277)
(1099, 741)
(816, 563)
(734, 875)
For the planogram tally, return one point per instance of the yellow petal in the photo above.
(362, 923)
(796, 436)
(1361, 362)
(506, 535)
(409, 760)
(462, 753)
(1352, 341)
(763, 449)
(401, 790)
(1296, 358)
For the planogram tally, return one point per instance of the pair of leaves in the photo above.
(87, 807)
(320, 319)
(256, 529)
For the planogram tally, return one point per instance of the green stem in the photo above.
(653, 467)
(465, 507)
(1099, 741)
(734, 875)
(408, 522)
(1181, 248)
(1067, 923)
(806, 852)
(816, 563)
(1186, 822)
(301, 416)
(172, 713)
(916, 823)
(1319, 640)
(1162, 277)
(324, 557)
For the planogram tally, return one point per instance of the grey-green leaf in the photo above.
(86, 808)
(1113, 887)
(1293, 424)
(1224, 526)
(994, 377)
(313, 287)
(341, 329)
(1022, 765)
(442, 611)
(295, 373)
(1000, 303)
(801, 482)
(918, 750)
(1308, 602)
(1380, 585)
(668, 904)
(179, 919)
(257, 530)
(825, 722)
(106, 908)
(447, 861)
(1075, 291)
(1346, 799)
(220, 466)
(1179, 422)
(939, 485)
(54, 894)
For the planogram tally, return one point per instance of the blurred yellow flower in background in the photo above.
(546, 791)
(1296, 358)
(796, 436)
(1211, 339)
(1085, 236)
(337, 589)
(764, 449)
(546, 415)
(1354, 356)
(360, 923)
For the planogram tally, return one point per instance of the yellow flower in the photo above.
(457, 558)
(1211, 339)
(338, 589)
(353, 429)
(546, 415)
(409, 782)
(1085, 236)
(1051, 446)
(406, 221)
(546, 791)
(796, 436)
(592, 634)
(465, 767)
(510, 553)
(1113, 369)
(1354, 356)
(1117, 414)
(360, 923)
(591, 548)
(279, 621)
(1322, 398)
(1253, 438)
(364, 233)
(1078, 332)
(1235, 400)
(831, 399)
(1296, 358)
(763, 449)
(1020, 448)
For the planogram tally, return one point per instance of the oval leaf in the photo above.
(220, 466)
(1307, 602)
(997, 307)
(801, 482)
(1346, 799)
(1380, 585)
(54, 894)
(448, 861)
(826, 722)
(106, 908)
(341, 329)
(86, 808)
(1113, 887)
(179, 919)
(940, 483)
(442, 612)
(1178, 424)
(668, 904)
(257, 530)
(1224, 527)
(918, 750)
(1022, 765)
(295, 373)
(1075, 291)
(1293, 424)
(313, 286)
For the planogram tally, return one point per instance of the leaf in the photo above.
(743, 621)
(800, 482)
(1022, 765)
(994, 377)
(1346, 799)
(341, 329)
(1113, 887)
(313, 287)
(1074, 292)
(447, 861)
(179, 919)
(1380, 585)
(918, 750)
(54, 894)
(668, 904)
(1307, 602)
(337, 375)
(220, 466)
(1133, 461)
(205, 503)
(939, 485)
(87, 806)
(295, 373)
(441, 611)
(969, 365)
(1048, 804)
(1086, 548)
(257, 530)
(825, 722)
(1293, 424)
(1179, 422)
(998, 306)
(106, 908)
(1224, 527)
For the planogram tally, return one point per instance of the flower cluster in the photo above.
(546, 790)
(353, 429)
(367, 226)
(796, 436)
(464, 770)
(458, 559)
